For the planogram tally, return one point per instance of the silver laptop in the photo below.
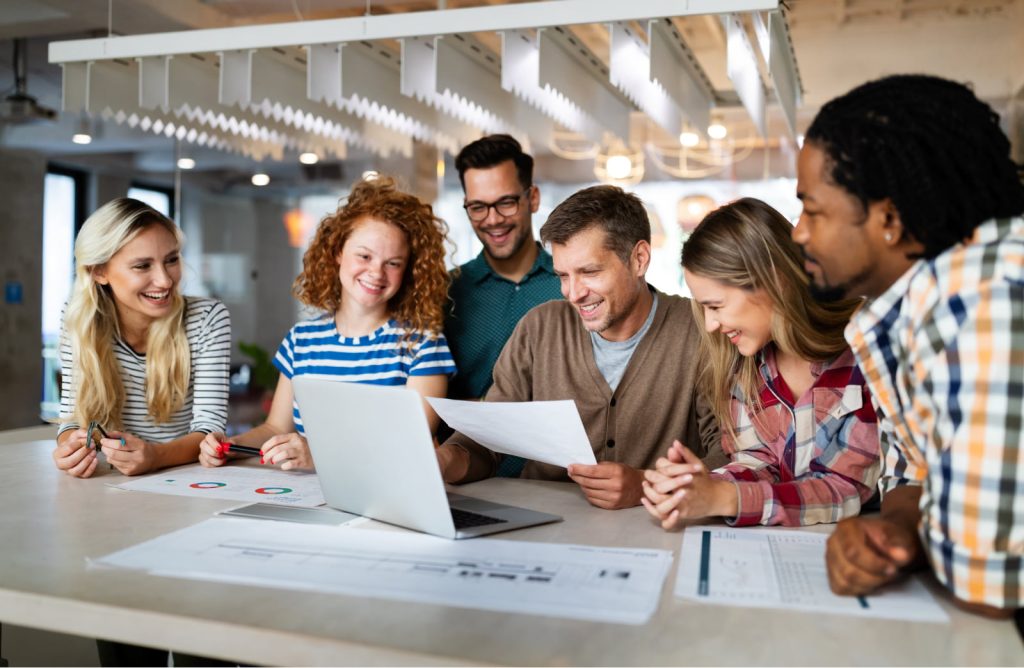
(375, 457)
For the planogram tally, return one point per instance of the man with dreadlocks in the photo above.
(911, 199)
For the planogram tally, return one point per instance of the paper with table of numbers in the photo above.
(785, 569)
(578, 581)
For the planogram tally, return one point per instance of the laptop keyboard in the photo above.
(465, 519)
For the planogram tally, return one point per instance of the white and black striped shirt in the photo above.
(208, 330)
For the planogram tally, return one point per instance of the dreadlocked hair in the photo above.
(929, 145)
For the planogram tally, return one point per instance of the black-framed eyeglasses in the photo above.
(95, 426)
(506, 206)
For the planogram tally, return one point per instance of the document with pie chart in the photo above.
(234, 483)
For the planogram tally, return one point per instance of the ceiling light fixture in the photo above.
(328, 83)
(689, 138)
(260, 179)
(694, 160)
(619, 167)
(83, 130)
(717, 131)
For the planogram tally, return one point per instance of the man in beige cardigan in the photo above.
(627, 354)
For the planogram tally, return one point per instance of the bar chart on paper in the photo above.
(784, 568)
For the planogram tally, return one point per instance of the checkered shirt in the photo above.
(943, 353)
(803, 460)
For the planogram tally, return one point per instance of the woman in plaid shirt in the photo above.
(796, 418)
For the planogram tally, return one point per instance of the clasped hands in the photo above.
(679, 488)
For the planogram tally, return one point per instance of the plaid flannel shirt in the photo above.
(943, 352)
(803, 460)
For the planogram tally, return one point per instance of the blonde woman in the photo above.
(144, 369)
(796, 417)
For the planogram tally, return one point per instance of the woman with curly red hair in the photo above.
(376, 268)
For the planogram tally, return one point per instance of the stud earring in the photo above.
(888, 236)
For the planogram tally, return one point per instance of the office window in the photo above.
(158, 198)
(62, 213)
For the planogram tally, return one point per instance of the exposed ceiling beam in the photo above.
(392, 26)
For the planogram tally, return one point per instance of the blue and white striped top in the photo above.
(316, 348)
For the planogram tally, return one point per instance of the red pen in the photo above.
(240, 449)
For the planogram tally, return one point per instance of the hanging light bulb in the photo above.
(689, 138)
(309, 158)
(260, 179)
(619, 166)
(83, 133)
(717, 131)
(186, 163)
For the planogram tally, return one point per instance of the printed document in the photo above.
(545, 431)
(784, 568)
(620, 585)
(235, 482)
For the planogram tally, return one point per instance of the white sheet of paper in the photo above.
(234, 482)
(619, 585)
(546, 431)
(784, 568)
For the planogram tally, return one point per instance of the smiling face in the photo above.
(608, 294)
(503, 237)
(143, 277)
(372, 263)
(744, 317)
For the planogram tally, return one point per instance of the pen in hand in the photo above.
(226, 447)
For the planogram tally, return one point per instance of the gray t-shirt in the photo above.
(612, 357)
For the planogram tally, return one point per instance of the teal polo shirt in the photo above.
(483, 311)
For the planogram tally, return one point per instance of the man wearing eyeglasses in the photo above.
(510, 276)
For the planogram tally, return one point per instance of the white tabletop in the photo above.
(51, 525)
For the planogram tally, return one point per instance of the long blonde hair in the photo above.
(91, 323)
(747, 244)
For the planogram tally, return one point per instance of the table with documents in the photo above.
(55, 528)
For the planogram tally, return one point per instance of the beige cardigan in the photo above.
(550, 356)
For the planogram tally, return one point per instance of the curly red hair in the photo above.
(419, 302)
